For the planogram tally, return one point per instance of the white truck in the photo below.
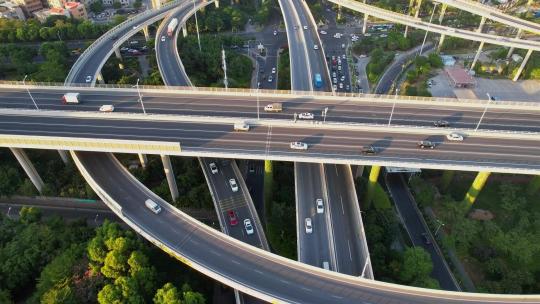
(172, 25)
(71, 98)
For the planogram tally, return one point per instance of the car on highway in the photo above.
(248, 226)
(106, 108)
(334, 80)
(297, 145)
(320, 205)
(425, 238)
(162, 38)
(441, 123)
(341, 85)
(308, 225)
(369, 150)
(315, 47)
(426, 144)
(270, 78)
(241, 126)
(334, 87)
(275, 33)
(306, 115)
(342, 78)
(135, 26)
(153, 206)
(88, 79)
(454, 137)
(213, 168)
(323, 32)
(233, 220)
(305, 27)
(233, 184)
(273, 70)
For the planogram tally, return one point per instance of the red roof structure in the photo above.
(460, 78)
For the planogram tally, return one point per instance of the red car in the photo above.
(232, 218)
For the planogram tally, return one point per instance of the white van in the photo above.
(326, 265)
(153, 206)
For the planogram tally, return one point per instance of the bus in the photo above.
(317, 80)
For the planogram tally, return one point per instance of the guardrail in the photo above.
(277, 94)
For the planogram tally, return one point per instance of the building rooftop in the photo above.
(460, 76)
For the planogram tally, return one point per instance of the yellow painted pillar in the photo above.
(476, 187)
(373, 177)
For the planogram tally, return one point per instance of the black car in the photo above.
(114, 37)
(426, 144)
(441, 123)
(425, 238)
(369, 150)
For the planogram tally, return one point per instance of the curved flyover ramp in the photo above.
(248, 269)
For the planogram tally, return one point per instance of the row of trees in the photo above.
(56, 27)
(72, 263)
(416, 78)
(502, 250)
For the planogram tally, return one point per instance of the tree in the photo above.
(29, 215)
(96, 7)
(137, 4)
(59, 294)
(117, 5)
(417, 265)
(168, 294)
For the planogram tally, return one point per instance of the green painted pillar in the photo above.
(534, 185)
(476, 187)
(268, 186)
(372, 181)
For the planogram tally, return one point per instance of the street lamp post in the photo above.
(427, 31)
(28, 90)
(441, 224)
(197, 27)
(483, 113)
(325, 112)
(9, 209)
(140, 96)
(95, 219)
(365, 267)
(258, 106)
(393, 107)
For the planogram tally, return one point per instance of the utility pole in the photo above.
(224, 65)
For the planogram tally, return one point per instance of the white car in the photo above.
(275, 33)
(162, 38)
(306, 115)
(315, 47)
(106, 108)
(273, 70)
(367, 34)
(270, 78)
(297, 145)
(341, 85)
(136, 26)
(320, 205)
(305, 27)
(248, 226)
(213, 168)
(308, 225)
(88, 78)
(234, 185)
(334, 80)
(334, 87)
(323, 32)
(454, 137)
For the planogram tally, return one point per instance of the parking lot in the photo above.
(501, 89)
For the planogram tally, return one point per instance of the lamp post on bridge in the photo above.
(483, 113)
(427, 31)
(393, 107)
(441, 224)
(28, 90)
(140, 96)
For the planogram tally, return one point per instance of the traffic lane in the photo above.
(345, 111)
(93, 216)
(268, 274)
(340, 205)
(415, 229)
(313, 247)
(262, 140)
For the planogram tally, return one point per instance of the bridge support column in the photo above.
(146, 32)
(477, 55)
(268, 183)
(358, 171)
(481, 26)
(64, 156)
(217, 3)
(441, 41)
(171, 180)
(117, 53)
(100, 78)
(364, 27)
(184, 30)
(417, 9)
(476, 187)
(443, 11)
(25, 162)
(373, 177)
(522, 66)
(411, 4)
(143, 159)
(511, 50)
(156, 4)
